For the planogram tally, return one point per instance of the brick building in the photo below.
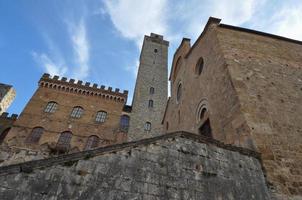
(64, 116)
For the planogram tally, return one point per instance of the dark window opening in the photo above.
(155, 50)
(35, 135)
(63, 144)
(151, 90)
(150, 105)
(199, 66)
(124, 123)
(92, 142)
(202, 113)
(147, 126)
(205, 129)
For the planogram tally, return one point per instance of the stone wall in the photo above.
(173, 166)
(266, 72)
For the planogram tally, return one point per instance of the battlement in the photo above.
(6, 116)
(79, 87)
(156, 38)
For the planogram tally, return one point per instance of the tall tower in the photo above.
(151, 89)
(7, 95)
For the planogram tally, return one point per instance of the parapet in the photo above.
(81, 88)
(157, 38)
(5, 115)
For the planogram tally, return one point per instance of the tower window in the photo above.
(151, 90)
(124, 123)
(101, 116)
(35, 135)
(179, 92)
(92, 142)
(51, 107)
(63, 143)
(199, 66)
(77, 112)
(150, 105)
(147, 126)
(155, 50)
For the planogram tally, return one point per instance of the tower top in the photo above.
(156, 38)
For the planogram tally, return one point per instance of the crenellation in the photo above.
(56, 77)
(87, 84)
(95, 85)
(64, 79)
(71, 80)
(79, 82)
(102, 87)
(110, 89)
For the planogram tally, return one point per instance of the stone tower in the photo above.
(151, 89)
(7, 95)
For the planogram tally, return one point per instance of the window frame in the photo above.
(35, 135)
(147, 127)
(101, 116)
(150, 103)
(51, 107)
(77, 112)
(124, 123)
(64, 140)
(92, 142)
(151, 90)
(199, 66)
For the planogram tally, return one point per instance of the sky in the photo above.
(99, 41)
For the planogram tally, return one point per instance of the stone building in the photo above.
(150, 94)
(7, 95)
(64, 116)
(6, 123)
(244, 88)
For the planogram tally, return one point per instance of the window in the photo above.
(205, 129)
(177, 67)
(101, 116)
(150, 105)
(147, 126)
(151, 90)
(63, 143)
(35, 135)
(124, 123)
(92, 142)
(155, 50)
(77, 112)
(4, 134)
(51, 107)
(199, 66)
(202, 113)
(167, 125)
(179, 93)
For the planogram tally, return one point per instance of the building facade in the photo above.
(150, 94)
(64, 116)
(242, 87)
(7, 96)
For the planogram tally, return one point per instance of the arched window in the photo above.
(77, 112)
(3, 135)
(63, 143)
(124, 123)
(92, 142)
(101, 116)
(199, 66)
(35, 135)
(51, 107)
(151, 90)
(147, 126)
(150, 104)
(202, 113)
(167, 125)
(178, 92)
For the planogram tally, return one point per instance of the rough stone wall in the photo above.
(173, 168)
(6, 122)
(266, 73)
(7, 96)
(152, 72)
(55, 123)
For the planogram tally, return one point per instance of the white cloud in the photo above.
(287, 22)
(55, 61)
(51, 67)
(81, 49)
(136, 18)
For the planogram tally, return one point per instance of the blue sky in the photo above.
(99, 41)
